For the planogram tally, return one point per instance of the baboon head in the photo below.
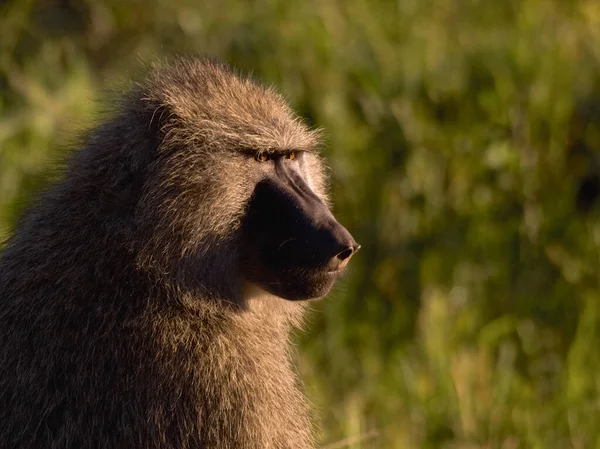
(239, 184)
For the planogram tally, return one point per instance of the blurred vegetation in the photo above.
(464, 138)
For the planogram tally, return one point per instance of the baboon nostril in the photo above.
(340, 260)
(345, 254)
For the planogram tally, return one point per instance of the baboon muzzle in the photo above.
(293, 228)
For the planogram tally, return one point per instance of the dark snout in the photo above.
(297, 229)
(300, 246)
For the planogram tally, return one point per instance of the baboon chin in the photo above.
(129, 312)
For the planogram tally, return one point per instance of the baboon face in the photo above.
(236, 167)
(294, 247)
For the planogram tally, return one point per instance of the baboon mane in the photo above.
(123, 319)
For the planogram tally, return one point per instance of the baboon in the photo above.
(146, 299)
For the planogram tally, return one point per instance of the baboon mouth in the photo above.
(299, 284)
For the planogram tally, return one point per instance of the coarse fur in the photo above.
(124, 320)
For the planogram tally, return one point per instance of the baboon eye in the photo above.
(262, 157)
(291, 155)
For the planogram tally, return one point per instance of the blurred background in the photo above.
(464, 141)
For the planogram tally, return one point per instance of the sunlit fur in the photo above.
(124, 321)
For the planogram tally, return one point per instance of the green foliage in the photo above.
(464, 138)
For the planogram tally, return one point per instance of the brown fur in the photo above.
(123, 320)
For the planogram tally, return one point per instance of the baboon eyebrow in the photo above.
(275, 151)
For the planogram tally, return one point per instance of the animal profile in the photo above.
(146, 299)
